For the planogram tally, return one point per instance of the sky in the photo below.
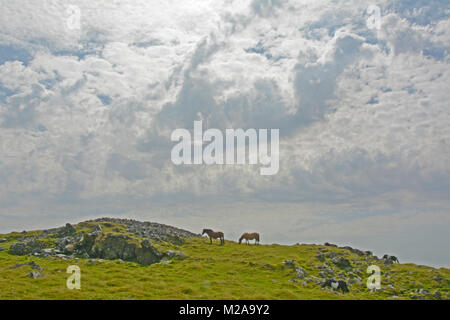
(90, 93)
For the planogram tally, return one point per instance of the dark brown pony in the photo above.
(250, 236)
(214, 235)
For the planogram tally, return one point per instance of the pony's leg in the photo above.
(210, 240)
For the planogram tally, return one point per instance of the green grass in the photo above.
(208, 271)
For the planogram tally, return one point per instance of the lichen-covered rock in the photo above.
(24, 248)
(341, 262)
(173, 254)
(151, 230)
(34, 275)
(289, 263)
(66, 231)
(69, 249)
(126, 248)
(336, 285)
(301, 273)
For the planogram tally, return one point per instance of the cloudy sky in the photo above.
(87, 110)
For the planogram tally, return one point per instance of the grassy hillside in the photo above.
(209, 271)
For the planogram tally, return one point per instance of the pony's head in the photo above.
(205, 231)
(240, 239)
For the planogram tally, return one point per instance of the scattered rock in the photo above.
(389, 259)
(301, 273)
(437, 295)
(2, 240)
(35, 266)
(320, 256)
(27, 247)
(34, 275)
(331, 255)
(356, 280)
(289, 263)
(356, 251)
(164, 260)
(173, 254)
(268, 266)
(2, 249)
(70, 248)
(341, 262)
(336, 285)
(31, 264)
(423, 291)
(326, 273)
(65, 231)
(330, 245)
(151, 230)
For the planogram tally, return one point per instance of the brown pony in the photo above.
(250, 236)
(214, 235)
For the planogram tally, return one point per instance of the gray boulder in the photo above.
(32, 264)
(341, 262)
(289, 263)
(123, 247)
(301, 273)
(437, 295)
(66, 231)
(24, 248)
(336, 285)
(18, 249)
(388, 260)
(34, 275)
(69, 249)
(173, 254)
(356, 280)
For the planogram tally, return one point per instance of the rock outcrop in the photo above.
(132, 243)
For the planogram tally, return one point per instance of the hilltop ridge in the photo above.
(129, 259)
